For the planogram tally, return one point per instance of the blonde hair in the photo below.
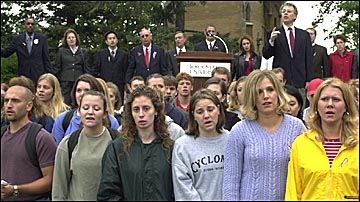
(114, 87)
(251, 91)
(110, 107)
(56, 104)
(234, 103)
(350, 120)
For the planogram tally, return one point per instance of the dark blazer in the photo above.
(70, 66)
(230, 119)
(298, 70)
(238, 65)
(137, 65)
(113, 70)
(320, 62)
(171, 62)
(34, 64)
(176, 114)
(218, 46)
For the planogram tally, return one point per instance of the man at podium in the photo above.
(210, 43)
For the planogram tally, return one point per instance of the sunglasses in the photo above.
(145, 35)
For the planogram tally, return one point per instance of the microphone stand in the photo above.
(226, 48)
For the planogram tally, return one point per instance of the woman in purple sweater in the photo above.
(258, 148)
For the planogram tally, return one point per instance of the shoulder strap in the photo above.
(3, 130)
(67, 119)
(113, 133)
(73, 141)
(74, 138)
(30, 143)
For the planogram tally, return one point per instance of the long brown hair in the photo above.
(201, 94)
(129, 130)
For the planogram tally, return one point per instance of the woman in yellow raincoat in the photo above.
(324, 160)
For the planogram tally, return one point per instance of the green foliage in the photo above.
(8, 68)
(348, 22)
(91, 20)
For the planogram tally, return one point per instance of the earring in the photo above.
(347, 113)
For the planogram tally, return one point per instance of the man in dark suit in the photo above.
(291, 49)
(146, 58)
(32, 52)
(210, 43)
(320, 60)
(171, 61)
(111, 63)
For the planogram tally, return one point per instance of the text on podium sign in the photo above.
(202, 69)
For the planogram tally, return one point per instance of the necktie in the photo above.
(147, 58)
(28, 45)
(211, 47)
(112, 55)
(180, 50)
(292, 41)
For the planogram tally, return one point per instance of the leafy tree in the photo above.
(348, 23)
(91, 19)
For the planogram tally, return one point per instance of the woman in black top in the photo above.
(246, 60)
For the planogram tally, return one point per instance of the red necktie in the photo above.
(292, 41)
(147, 58)
(211, 47)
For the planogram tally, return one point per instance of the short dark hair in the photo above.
(109, 32)
(339, 36)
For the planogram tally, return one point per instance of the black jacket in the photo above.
(202, 46)
(113, 70)
(238, 65)
(298, 69)
(70, 66)
(31, 65)
(144, 174)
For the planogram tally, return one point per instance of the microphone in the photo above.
(209, 34)
(222, 41)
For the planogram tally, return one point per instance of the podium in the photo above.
(199, 64)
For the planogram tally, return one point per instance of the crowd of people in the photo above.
(131, 127)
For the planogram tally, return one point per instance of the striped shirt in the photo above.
(332, 147)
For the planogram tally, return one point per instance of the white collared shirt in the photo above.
(74, 50)
(110, 50)
(178, 50)
(212, 43)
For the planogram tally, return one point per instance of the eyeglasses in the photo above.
(287, 11)
(145, 35)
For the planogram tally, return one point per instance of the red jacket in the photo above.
(340, 67)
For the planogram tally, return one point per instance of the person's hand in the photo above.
(7, 191)
(274, 35)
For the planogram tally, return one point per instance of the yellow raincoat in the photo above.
(310, 176)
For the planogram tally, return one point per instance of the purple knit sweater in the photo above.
(256, 161)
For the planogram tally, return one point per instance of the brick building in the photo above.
(253, 18)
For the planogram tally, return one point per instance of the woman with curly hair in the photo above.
(324, 160)
(137, 166)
